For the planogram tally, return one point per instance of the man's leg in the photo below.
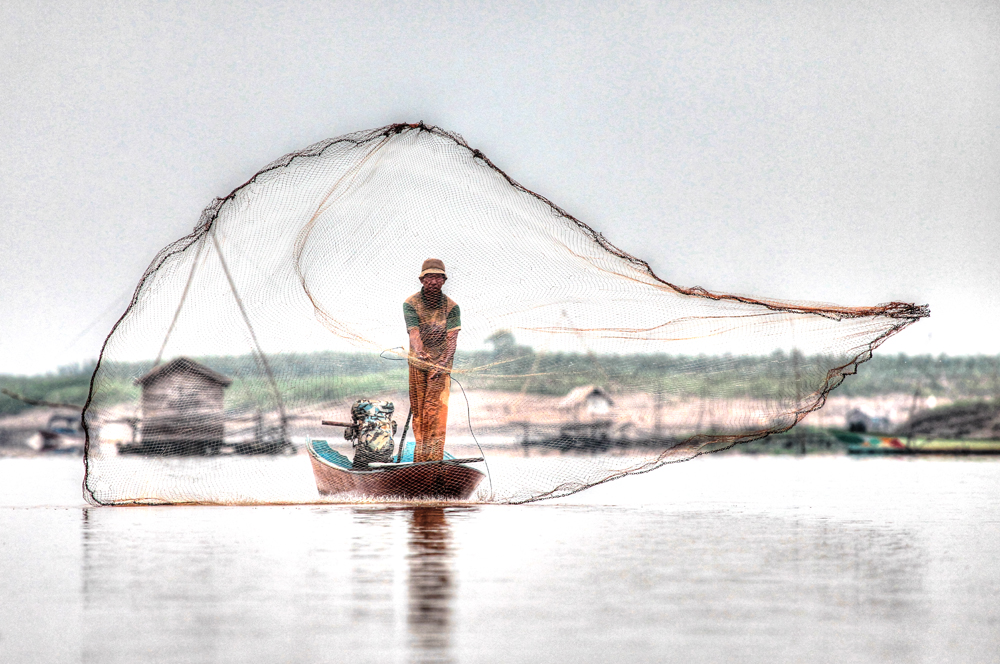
(435, 416)
(418, 387)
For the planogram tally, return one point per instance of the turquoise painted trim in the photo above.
(411, 447)
(327, 453)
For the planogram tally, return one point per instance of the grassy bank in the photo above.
(307, 378)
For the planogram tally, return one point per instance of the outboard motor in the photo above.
(371, 432)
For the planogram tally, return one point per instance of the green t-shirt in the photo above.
(433, 322)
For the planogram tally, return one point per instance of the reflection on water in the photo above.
(886, 562)
(226, 584)
(428, 576)
(430, 584)
(381, 583)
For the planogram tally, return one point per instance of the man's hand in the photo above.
(420, 359)
(449, 355)
(437, 372)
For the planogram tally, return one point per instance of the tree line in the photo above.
(325, 376)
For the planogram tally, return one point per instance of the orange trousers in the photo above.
(429, 404)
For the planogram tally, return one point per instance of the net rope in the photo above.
(577, 363)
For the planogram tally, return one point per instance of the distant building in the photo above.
(182, 408)
(859, 421)
(587, 402)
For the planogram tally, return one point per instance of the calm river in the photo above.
(722, 559)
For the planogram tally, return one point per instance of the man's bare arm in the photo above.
(416, 345)
(451, 343)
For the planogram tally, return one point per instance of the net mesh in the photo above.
(575, 365)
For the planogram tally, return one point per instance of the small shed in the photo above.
(588, 402)
(859, 421)
(182, 408)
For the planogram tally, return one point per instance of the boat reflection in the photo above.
(430, 585)
(374, 583)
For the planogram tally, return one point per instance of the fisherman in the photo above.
(432, 321)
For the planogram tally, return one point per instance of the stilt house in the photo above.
(587, 403)
(182, 408)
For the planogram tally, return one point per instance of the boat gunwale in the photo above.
(396, 467)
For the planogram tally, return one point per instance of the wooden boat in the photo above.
(872, 445)
(450, 479)
(62, 434)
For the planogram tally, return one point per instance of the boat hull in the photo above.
(438, 480)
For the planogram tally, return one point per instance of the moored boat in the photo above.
(62, 434)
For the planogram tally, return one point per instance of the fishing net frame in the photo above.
(894, 316)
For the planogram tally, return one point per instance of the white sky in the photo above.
(833, 152)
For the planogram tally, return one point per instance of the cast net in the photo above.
(575, 363)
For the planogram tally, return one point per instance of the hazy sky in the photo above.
(833, 152)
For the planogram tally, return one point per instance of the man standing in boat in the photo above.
(432, 321)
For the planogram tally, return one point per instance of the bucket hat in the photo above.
(432, 266)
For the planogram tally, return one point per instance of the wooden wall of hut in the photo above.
(182, 409)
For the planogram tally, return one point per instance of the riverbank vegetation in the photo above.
(316, 377)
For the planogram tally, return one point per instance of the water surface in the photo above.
(719, 559)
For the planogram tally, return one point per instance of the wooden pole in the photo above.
(402, 439)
